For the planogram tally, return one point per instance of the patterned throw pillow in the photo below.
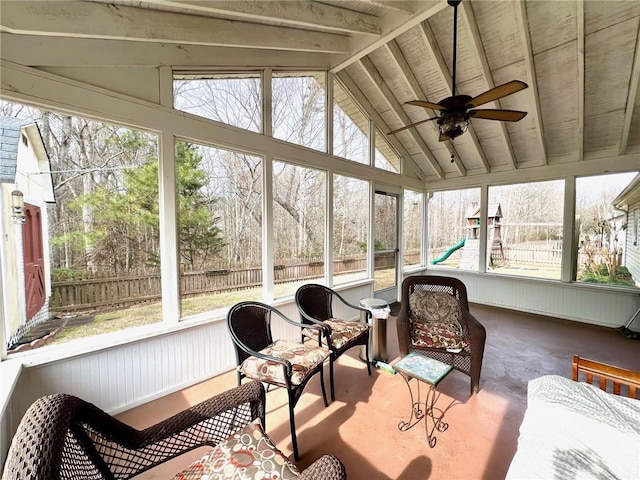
(342, 331)
(246, 455)
(433, 307)
(303, 358)
(437, 335)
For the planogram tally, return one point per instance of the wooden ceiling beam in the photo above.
(107, 21)
(362, 100)
(301, 14)
(407, 74)
(353, 88)
(41, 51)
(478, 50)
(446, 79)
(405, 6)
(580, 32)
(397, 109)
(394, 24)
(632, 96)
(525, 38)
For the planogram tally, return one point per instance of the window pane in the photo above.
(90, 235)
(299, 103)
(385, 214)
(524, 231)
(298, 226)
(453, 239)
(234, 99)
(350, 128)
(219, 227)
(607, 224)
(350, 228)
(386, 157)
(412, 228)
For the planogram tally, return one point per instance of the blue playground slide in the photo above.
(446, 254)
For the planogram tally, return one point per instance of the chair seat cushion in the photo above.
(342, 331)
(246, 455)
(426, 306)
(304, 358)
(437, 335)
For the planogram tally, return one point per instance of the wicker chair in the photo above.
(64, 437)
(315, 304)
(275, 362)
(469, 359)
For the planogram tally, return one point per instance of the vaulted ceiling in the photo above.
(581, 60)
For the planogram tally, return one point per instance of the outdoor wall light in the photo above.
(17, 207)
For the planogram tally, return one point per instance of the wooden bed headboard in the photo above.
(589, 371)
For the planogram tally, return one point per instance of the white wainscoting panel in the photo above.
(124, 376)
(593, 304)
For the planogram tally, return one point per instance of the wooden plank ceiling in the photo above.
(580, 59)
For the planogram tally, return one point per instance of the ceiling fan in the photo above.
(456, 110)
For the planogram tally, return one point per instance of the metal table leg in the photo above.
(421, 409)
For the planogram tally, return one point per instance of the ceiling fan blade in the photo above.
(412, 125)
(496, 93)
(425, 104)
(502, 115)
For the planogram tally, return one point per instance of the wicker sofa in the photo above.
(64, 437)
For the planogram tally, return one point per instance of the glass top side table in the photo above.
(430, 371)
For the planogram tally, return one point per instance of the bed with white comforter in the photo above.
(573, 430)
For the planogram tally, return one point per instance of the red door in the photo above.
(33, 260)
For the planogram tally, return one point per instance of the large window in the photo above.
(219, 227)
(605, 250)
(298, 226)
(412, 228)
(350, 228)
(454, 239)
(350, 127)
(234, 99)
(524, 229)
(93, 230)
(299, 104)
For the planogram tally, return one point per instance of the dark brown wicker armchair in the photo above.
(315, 304)
(469, 359)
(280, 363)
(64, 437)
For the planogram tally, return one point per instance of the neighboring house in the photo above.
(24, 251)
(629, 202)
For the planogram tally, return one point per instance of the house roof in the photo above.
(10, 134)
(580, 59)
(9, 140)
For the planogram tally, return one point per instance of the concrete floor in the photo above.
(361, 426)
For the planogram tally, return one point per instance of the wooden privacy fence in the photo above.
(111, 292)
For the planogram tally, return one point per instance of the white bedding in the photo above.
(573, 430)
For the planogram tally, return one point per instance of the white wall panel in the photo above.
(597, 305)
(124, 376)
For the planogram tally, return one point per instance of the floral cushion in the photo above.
(303, 358)
(248, 454)
(433, 307)
(437, 335)
(342, 331)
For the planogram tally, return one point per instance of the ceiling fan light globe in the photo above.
(452, 126)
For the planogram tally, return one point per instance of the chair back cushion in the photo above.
(247, 454)
(434, 318)
(304, 359)
(425, 306)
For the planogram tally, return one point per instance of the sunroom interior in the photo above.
(293, 104)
